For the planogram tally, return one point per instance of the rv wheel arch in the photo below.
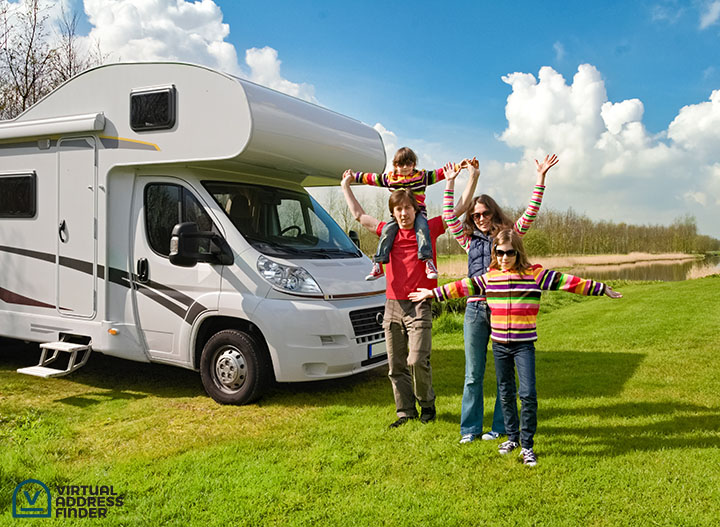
(224, 343)
(233, 368)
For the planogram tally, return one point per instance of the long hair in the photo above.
(505, 236)
(498, 219)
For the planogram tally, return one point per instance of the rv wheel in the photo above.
(233, 368)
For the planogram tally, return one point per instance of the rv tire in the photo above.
(234, 369)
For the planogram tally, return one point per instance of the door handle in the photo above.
(62, 232)
(143, 270)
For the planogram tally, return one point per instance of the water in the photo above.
(666, 272)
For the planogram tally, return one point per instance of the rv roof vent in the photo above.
(152, 108)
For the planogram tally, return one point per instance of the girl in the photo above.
(483, 221)
(513, 287)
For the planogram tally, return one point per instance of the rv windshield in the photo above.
(282, 223)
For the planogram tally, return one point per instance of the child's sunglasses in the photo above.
(500, 253)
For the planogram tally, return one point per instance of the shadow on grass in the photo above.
(674, 425)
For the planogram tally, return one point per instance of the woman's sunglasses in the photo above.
(477, 216)
(500, 253)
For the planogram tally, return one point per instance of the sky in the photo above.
(626, 93)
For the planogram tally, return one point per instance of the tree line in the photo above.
(553, 233)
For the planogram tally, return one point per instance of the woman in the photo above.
(513, 288)
(482, 222)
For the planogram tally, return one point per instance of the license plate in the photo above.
(377, 349)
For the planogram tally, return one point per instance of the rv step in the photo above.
(79, 354)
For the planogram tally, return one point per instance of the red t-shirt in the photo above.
(405, 273)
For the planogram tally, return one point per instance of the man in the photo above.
(407, 324)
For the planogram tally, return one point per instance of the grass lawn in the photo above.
(628, 433)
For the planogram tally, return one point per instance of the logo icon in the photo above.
(31, 499)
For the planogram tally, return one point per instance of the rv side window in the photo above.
(167, 205)
(152, 109)
(17, 196)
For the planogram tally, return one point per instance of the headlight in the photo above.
(288, 278)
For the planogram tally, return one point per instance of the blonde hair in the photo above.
(512, 237)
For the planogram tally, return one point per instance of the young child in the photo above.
(404, 175)
(513, 288)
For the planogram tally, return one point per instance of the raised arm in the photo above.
(523, 223)
(356, 209)
(449, 215)
(473, 167)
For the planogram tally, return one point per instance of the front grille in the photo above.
(365, 321)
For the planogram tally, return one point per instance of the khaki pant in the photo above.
(408, 331)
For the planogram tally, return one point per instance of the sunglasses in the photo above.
(500, 253)
(480, 215)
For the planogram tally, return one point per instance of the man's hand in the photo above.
(348, 178)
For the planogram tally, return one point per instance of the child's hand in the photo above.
(547, 164)
(473, 166)
(420, 295)
(609, 291)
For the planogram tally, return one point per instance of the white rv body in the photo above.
(86, 266)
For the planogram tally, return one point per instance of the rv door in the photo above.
(76, 262)
(169, 298)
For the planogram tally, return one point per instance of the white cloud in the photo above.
(179, 30)
(710, 14)
(608, 160)
(559, 51)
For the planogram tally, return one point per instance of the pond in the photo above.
(666, 271)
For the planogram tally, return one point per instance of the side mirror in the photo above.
(355, 237)
(185, 246)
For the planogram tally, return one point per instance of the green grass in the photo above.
(629, 433)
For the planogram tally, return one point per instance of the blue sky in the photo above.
(620, 90)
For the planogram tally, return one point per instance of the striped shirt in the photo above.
(514, 297)
(416, 182)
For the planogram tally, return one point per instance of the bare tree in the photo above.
(26, 56)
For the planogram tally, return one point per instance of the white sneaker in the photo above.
(377, 272)
(507, 447)
(490, 436)
(430, 270)
(467, 438)
(528, 456)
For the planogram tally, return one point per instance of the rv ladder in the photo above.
(79, 354)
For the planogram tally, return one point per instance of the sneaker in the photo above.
(427, 415)
(490, 436)
(467, 438)
(377, 272)
(507, 447)
(430, 270)
(528, 456)
(401, 421)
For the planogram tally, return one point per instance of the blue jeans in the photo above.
(507, 357)
(387, 237)
(477, 333)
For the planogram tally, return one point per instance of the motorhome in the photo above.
(158, 212)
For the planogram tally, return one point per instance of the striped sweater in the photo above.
(522, 225)
(415, 182)
(514, 297)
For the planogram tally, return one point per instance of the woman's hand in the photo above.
(420, 295)
(542, 168)
(450, 171)
(609, 291)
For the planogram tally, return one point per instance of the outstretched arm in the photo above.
(358, 212)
